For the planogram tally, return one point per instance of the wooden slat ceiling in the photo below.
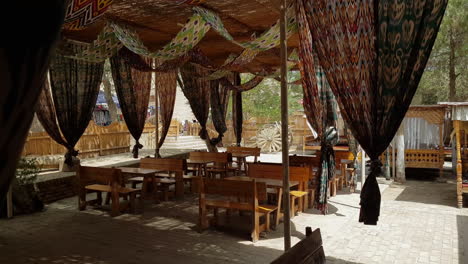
(158, 22)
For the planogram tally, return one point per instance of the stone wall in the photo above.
(57, 189)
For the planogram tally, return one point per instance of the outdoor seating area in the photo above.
(234, 131)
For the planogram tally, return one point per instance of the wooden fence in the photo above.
(96, 141)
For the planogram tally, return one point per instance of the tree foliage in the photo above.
(264, 101)
(448, 65)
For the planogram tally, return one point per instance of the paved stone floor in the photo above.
(418, 224)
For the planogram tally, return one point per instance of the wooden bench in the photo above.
(275, 171)
(221, 162)
(234, 195)
(255, 152)
(173, 169)
(108, 180)
(308, 251)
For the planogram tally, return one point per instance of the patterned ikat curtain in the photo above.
(133, 89)
(319, 106)
(374, 54)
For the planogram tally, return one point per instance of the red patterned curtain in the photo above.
(167, 87)
(24, 59)
(373, 53)
(75, 87)
(133, 89)
(219, 98)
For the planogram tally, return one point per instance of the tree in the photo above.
(446, 74)
(106, 81)
(264, 101)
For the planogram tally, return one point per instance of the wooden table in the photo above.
(241, 158)
(200, 165)
(147, 174)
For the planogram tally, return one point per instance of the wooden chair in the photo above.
(308, 251)
(234, 195)
(171, 173)
(314, 164)
(275, 171)
(99, 180)
(221, 161)
(237, 167)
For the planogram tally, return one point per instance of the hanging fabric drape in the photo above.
(23, 64)
(133, 90)
(237, 115)
(373, 53)
(197, 92)
(319, 107)
(45, 112)
(167, 87)
(219, 98)
(75, 87)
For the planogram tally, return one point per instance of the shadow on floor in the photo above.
(462, 224)
(428, 193)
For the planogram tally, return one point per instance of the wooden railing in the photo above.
(422, 158)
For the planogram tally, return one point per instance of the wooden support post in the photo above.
(400, 159)
(10, 201)
(156, 112)
(441, 150)
(393, 160)
(363, 167)
(284, 127)
(456, 125)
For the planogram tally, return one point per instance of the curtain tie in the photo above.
(136, 148)
(203, 133)
(71, 152)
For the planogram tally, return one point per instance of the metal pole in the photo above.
(284, 127)
(156, 105)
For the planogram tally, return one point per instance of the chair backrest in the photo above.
(218, 157)
(302, 161)
(275, 171)
(307, 161)
(88, 175)
(172, 165)
(244, 150)
(308, 251)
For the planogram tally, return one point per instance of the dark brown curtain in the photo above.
(237, 114)
(197, 92)
(24, 58)
(45, 112)
(374, 53)
(167, 87)
(219, 98)
(133, 89)
(75, 87)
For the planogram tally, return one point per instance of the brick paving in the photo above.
(419, 224)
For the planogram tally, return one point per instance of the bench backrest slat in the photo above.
(244, 150)
(220, 157)
(98, 175)
(308, 251)
(275, 171)
(173, 165)
(233, 188)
